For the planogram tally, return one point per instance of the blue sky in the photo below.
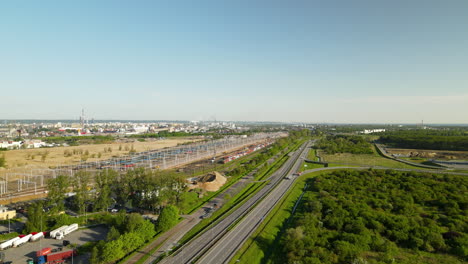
(336, 61)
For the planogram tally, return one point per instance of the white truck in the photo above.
(22, 240)
(8, 243)
(37, 236)
(66, 231)
(54, 233)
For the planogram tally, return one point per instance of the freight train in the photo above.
(246, 151)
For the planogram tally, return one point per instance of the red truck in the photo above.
(58, 257)
(43, 252)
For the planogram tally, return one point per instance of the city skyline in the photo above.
(364, 62)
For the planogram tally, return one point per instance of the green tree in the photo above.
(131, 241)
(132, 222)
(146, 230)
(167, 219)
(36, 218)
(113, 234)
(104, 181)
(81, 187)
(57, 188)
(94, 255)
(112, 251)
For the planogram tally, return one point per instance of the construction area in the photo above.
(428, 154)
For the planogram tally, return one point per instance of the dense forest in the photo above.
(345, 144)
(378, 216)
(427, 139)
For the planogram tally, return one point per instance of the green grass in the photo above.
(8, 236)
(373, 159)
(312, 155)
(422, 161)
(310, 166)
(407, 256)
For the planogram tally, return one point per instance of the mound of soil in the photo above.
(211, 182)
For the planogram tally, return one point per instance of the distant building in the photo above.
(370, 131)
(10, 144)
(6, 213)
(34, 143)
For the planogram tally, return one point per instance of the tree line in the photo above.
(145, 189)
(77, 140)
(127, 233)
(378, 216)
(427, 139)
(345, 144)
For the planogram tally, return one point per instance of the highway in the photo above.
(223, 250)
(207, 240)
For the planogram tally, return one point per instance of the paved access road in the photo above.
(206, 240)
(225, 248)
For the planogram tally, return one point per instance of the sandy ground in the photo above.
(431, 154)
(56, 156)
(44, 158)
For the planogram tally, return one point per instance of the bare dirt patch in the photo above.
(429, 154)
(210, 182)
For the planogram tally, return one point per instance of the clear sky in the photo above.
(313, 61)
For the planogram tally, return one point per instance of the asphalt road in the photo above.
(206, 240)
(225, 248)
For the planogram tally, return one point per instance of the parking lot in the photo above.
(28, 251)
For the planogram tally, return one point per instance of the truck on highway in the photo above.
(22, 240)
(8, 243)
(58, 257)
(61, 234)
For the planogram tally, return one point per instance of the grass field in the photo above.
(373, 159)
(311, 156)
